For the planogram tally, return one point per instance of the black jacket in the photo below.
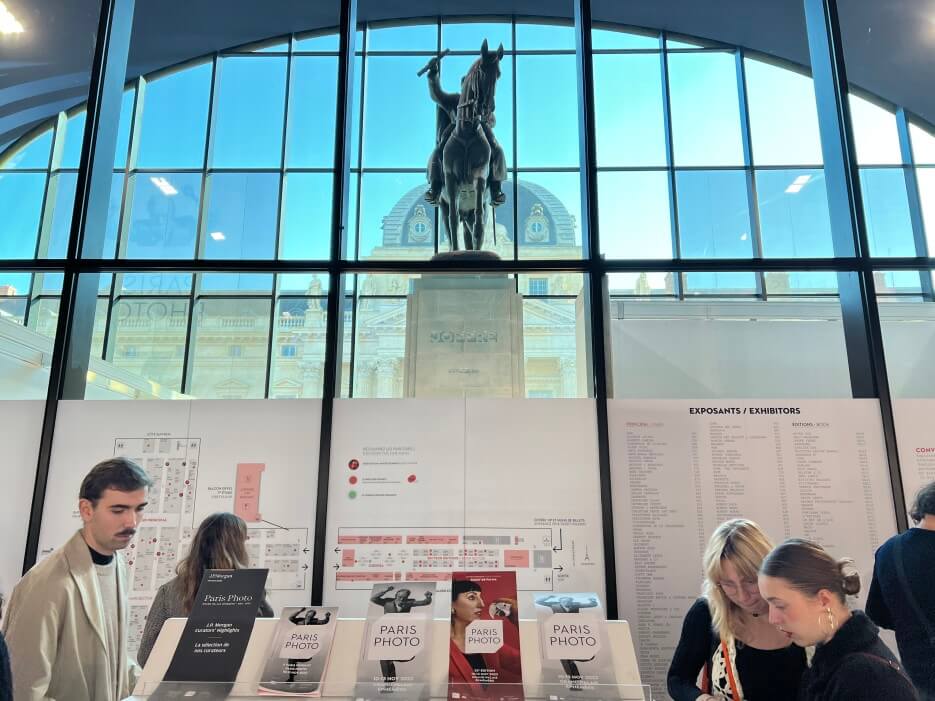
(855, 665)
(6, 679)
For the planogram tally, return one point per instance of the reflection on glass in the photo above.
(714, 215)
(21, 205)
(306, 216)
(633, 214)
(229, 347)
(705, 109)
(908, 326)
(641, 284)
(554, 367)
(720, 284)
(312, 96)
(250, 108)
(783, 116)
(546, 111)
(794, 219)
(379, 358)
(886, 211)
(123, 128)
(628, 112)
(399, 115)
(241, 215)
(228, 283)
(875, 133)
(70, 135)
(163, 215)
(174, 120)
(60, 202)
(153, 284)
(795, 286)
(315, 42)
(147, 338)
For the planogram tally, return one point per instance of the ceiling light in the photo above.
(165, 187)
(8, 23)
(798, 184)
(217, 235)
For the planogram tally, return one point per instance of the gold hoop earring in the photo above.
(831, 621)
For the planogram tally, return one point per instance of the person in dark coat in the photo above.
(806, 589)
(902, 593)
(6, 678)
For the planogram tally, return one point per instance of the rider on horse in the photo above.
(447, 117)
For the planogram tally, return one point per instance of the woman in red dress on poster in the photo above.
(488, 675)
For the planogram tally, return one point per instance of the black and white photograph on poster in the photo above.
(299, 652)
(574, 646)
(394, 662)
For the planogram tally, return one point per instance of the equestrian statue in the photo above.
(467, 167)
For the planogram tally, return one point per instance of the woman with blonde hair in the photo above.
(728, 649)
(807, 591)
(220, 543)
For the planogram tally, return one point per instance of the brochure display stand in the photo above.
(341, 676)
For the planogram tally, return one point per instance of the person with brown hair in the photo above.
(66, 623)
(806, 589)
(220, 543)
(726, 638)
(902, 597)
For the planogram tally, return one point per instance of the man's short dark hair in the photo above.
(121, 474)
(924, 503)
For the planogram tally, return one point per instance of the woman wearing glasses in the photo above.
(728, 648)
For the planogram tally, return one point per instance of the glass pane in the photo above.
(60, 203)
(163, 215)
(606, 38)
(147, 338)
(705, 109)
(43, 316)
(399, 116)
(454, 68)
(926, 180)
(555, 35)
(794, 219)
(153, 284)
(795, 286)
(175, 119)
(320, 42)
(302, 284)
(356, 122)
(32, 154)
(14, 298)
(549, 215)
(250, 107)
(241, 216)
(389, 202)
(923, 145)
(468, 36)
(306, 217)
(886, 210)
(230, 283)
(21, 203)
(908, 325)
(628, 112)
(71, 134)
(714, 214)
(312, 101)
(633, 214)
(875, 133)
(402, 37)
(720, 284)
(229, 349)
(379, 353)
(783, 116)
(546, 130)
(711, 348)
(297, 368)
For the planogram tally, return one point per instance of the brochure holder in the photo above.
(341, 676)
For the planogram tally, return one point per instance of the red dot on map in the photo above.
(187, 482)
(411, 478)
(181, 495)
(352, 479)
(158, 553)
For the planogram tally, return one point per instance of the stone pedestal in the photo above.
(464, 337)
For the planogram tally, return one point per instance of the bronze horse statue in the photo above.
(467, 167)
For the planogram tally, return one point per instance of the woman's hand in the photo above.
(513, 617)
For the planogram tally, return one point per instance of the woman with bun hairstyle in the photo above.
(728, 649)
(806, 589)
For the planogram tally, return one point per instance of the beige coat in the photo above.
(54, 627)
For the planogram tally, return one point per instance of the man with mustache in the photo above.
(66, 623)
